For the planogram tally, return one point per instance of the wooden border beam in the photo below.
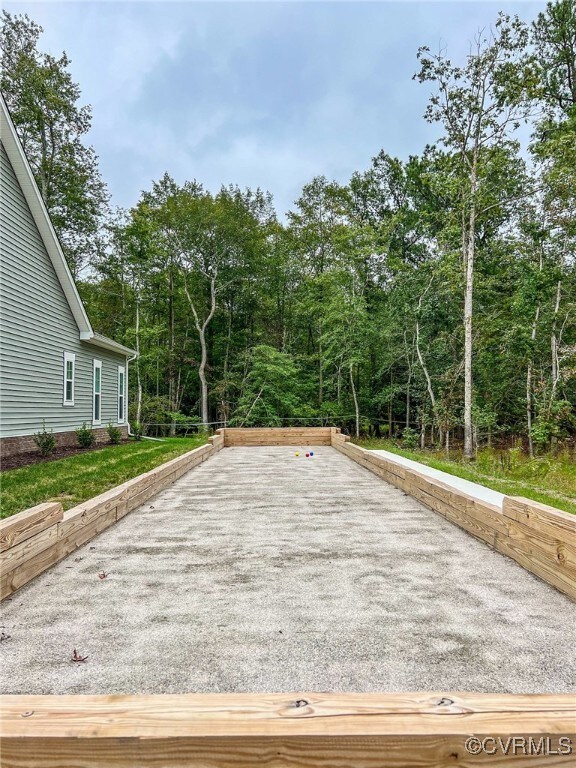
(367, 730)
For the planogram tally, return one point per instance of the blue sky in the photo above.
(265, 94)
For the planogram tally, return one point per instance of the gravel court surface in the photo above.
(263, 571)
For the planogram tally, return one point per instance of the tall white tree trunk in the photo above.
(529, 387)
(554, 345)
(421, 357)
(201, 329)
(555, 358)
(138, 377)
(468, 310)
(356, 411)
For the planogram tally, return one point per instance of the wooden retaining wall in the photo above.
(237, 436)
(364, 730)
(540, 538)
(37, 538)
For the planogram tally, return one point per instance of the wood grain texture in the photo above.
(541, 517)
(304, 729)
(18, 528)
(540, 538)
(69, 530)
(239, 436)
(385, 751)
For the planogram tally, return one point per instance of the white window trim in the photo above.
(69, 357)
(95, 421)
(121, 371)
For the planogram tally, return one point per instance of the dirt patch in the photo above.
(34, 457)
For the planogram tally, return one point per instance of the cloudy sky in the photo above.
(264, 94)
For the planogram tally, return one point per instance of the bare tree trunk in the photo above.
(390, 425)
(201, 328)
(425, 371)
(424, 368)
(555, 359)
(320, 365)
(468, 309)
(202, 375)
(529, 388)
(171, 345)
(554, 345)
(138, 378)
(409, 363)
(356, 411)
(447, 443)
(225, 367)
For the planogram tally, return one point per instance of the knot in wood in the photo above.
(445, 702)
(301, 703)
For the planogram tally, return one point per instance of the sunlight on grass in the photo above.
(81, 477)
(549, 480)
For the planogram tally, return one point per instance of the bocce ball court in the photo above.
(266, 605)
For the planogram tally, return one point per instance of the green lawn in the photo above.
(81, 477)
(546, 479)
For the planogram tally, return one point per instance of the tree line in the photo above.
(433, 296)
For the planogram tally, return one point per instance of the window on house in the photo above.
(69, 366)
(97, 389)
(121, 393)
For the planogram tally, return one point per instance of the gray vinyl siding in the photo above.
(36, 328)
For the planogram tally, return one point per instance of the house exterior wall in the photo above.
(36, 329)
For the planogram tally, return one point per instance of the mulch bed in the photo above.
(34, 457)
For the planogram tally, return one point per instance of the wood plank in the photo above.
(88, 512)
(478, 527)
(82, 523)
(554, 522)
(541, 566)
(540, 538)
(255, 436)
(363, 751)
(61, 548)
(310, 730)
(28, 549)
(13, 580)
(481, 515)
(23, 525)
(560, 552)
(89, 531)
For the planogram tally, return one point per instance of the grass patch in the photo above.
(78, 478)
(549, 480)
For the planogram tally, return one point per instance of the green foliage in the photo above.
(350, 310)
(272, 390)
(45, 440)
(557, 421)
(410, 438)
(43, 101)
(137, 431)
(155, 416)
(548, 479)
(114, 434)
(85, 436)
(81, 477)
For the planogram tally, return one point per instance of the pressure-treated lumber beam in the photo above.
(368, 730)
(16, 529)
(37, 538)
(253, 436)
(540, 538)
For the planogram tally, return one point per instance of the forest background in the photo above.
(430, 299)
